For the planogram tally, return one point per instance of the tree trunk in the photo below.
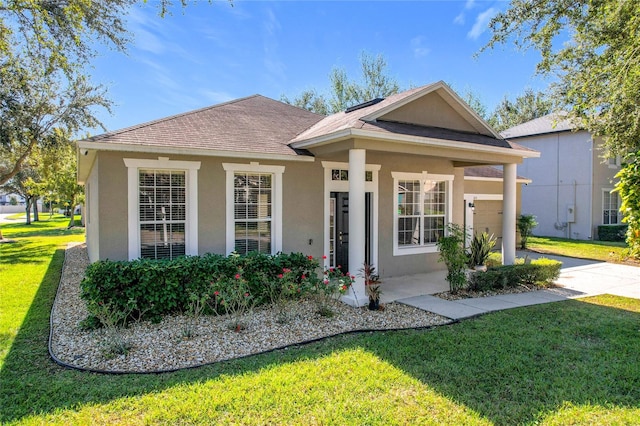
(28, 209)
(1, 237)
(72, 220)
(36, 217)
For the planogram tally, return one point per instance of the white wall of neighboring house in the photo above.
(567, 182)
(6, 207)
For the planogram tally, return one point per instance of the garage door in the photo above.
(487, 217)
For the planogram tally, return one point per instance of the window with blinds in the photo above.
(253, 197)
(162, 208)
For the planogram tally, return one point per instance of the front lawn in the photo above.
(605, 251)
(567, 362)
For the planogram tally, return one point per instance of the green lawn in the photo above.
(570, 362)
(605, 251)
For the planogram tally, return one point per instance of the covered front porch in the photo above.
(402, 287)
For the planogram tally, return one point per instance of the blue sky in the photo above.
(212, 53)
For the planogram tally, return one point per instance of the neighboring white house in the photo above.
(6, 205)
(570, 193)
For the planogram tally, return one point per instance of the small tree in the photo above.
(627, 187)
(525, 224)
(453, 254)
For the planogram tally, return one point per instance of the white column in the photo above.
(509, 214)
(357, 161)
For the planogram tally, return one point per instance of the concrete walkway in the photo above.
(578, 278)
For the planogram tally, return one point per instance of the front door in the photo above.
(339, 228)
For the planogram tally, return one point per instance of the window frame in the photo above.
(617, 161)
(609, 191)
(276, 202)
(134, 165)
(422, 177)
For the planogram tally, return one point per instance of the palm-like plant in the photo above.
(525, 224)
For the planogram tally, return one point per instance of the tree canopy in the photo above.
(526, 107)
(593, 48)
(36, 105)
(375, 82)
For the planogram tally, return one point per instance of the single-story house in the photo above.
(570, 193)
(376, 183)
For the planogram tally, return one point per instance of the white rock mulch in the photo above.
(163, 347)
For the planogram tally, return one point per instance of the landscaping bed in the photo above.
(163, 346)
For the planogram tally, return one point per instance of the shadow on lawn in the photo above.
(514, 366)
(18, 252)
(509, 366)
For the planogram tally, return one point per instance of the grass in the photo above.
(568, 362)
(605, 251)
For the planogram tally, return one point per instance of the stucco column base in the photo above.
(357, 302)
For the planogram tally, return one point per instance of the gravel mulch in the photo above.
(163, 347)
(469, 294)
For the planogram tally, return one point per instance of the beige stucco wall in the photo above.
(303, 205)
(388, 264)
(91, 214)
(112, 202)
(603, 179)
(430, 110)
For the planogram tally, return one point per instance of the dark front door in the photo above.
(340, 234)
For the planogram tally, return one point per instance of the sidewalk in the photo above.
(578, 278)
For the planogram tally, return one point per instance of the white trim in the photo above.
(483, 197)
(430, 248)
(276, 205)
(616, 164)
(343, 186)
(611, 192)
(92, 147)
(413, 140)
(133, 214)
(440, 85)
(491, 179)
(469, 220)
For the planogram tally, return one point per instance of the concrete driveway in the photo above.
(590, 277)
(3, 218)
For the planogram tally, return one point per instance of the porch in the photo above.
(397, 288)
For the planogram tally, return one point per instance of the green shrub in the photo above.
(525, 225)
(481, 246)
(612, 232)
(495, 259)
(540, 272)
(150, 289)
(452, 253)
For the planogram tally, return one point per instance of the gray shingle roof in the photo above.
(349, 120)
(550, 123)
(254, 124)
(485, 172)
(259, 125)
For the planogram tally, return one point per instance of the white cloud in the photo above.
(217, 97)
(482, 23)
(417, 46)
(271, 61)
(461, 18)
